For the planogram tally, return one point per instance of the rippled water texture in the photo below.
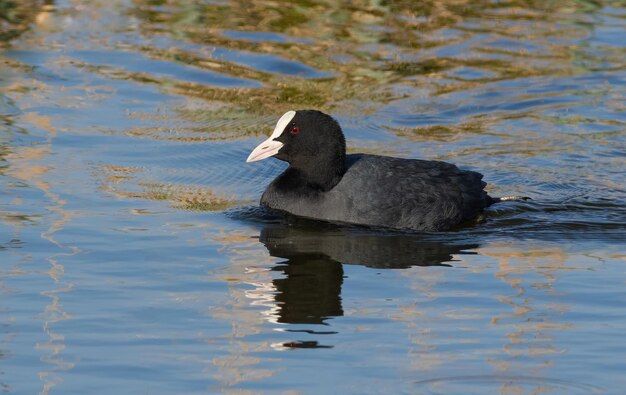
(133, 258)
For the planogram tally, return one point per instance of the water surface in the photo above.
(133, 258)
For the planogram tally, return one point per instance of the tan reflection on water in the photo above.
(533, 329)
(419, 319)
(251, 304)
(25, 164)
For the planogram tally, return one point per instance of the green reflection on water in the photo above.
(373, 49)
(16, 17)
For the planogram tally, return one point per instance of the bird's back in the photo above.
(390, 192)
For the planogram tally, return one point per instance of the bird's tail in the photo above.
(509, 198)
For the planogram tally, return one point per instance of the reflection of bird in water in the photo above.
(310, 292)
(358, 246)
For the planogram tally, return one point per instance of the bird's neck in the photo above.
(316, 175)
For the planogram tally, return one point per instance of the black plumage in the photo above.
(324, 183)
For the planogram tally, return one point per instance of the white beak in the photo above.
(270, 147)
(264, 150)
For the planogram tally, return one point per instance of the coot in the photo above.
(324, 183)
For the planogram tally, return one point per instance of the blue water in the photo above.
(134, 257)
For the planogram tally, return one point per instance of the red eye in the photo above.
(294, 130)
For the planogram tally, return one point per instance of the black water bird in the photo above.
(324, 183)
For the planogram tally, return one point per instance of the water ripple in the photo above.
(507, 383)
(135, 257)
